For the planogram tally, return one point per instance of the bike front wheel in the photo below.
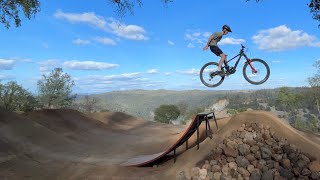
(207, 76)
(256, 71)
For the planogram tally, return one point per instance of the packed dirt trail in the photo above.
(66, 144)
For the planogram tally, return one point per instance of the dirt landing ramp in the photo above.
(190, 158)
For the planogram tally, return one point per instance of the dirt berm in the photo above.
(66, 144)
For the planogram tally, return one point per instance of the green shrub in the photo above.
(14, 97)
(232, 112)
(166, 113)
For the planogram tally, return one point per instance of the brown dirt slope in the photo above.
(64, 120)
(118, 120)
(66, 144)
(190, 158)
(46, 144)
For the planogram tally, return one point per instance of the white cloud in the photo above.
(6, 77)
(87, 18)
(197, 37)
(152, 71)
(27, 60)
(316, 44)
(228, 40)
(105, 41)
(192, 36)
(190, 45)
(124, 81)
(170, 42)
(167, 73)
(48, 65)
(276, 61)
(88, 65)
(283, 38)
(7, 64)
(80, 41)
(206, 34)
(189, 72)
(133, 32)
(121, 77)
(19, 59)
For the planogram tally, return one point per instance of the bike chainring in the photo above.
(231, 71)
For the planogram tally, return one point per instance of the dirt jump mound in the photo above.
(67, 144)
(258, 145)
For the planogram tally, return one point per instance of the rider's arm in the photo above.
(210, 39)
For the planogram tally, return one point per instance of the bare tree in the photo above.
(89, 104)
(11, 9)
(314, 6)
(314, 82)
(123, 7)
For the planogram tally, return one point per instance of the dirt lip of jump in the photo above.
(66, 144)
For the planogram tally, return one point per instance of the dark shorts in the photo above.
(216, 50)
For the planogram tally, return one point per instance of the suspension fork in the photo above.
(249, 61)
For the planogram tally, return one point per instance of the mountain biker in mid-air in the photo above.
(212, 42)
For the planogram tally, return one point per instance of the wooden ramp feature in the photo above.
(148, 160)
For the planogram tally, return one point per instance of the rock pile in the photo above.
(255, 152)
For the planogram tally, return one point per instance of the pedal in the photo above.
(212, 74)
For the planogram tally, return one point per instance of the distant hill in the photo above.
(142, 103)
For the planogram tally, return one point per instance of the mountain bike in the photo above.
(255, 71)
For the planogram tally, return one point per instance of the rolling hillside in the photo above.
(142, 103)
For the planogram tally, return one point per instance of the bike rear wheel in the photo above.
(206, 76)
(256, 72)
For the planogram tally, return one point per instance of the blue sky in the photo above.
(159, 47)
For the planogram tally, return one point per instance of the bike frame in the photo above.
(240, 55)
(208, 75)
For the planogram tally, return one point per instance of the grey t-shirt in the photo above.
(217, 36)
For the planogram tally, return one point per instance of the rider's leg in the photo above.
(222, 60)
(218, 52)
